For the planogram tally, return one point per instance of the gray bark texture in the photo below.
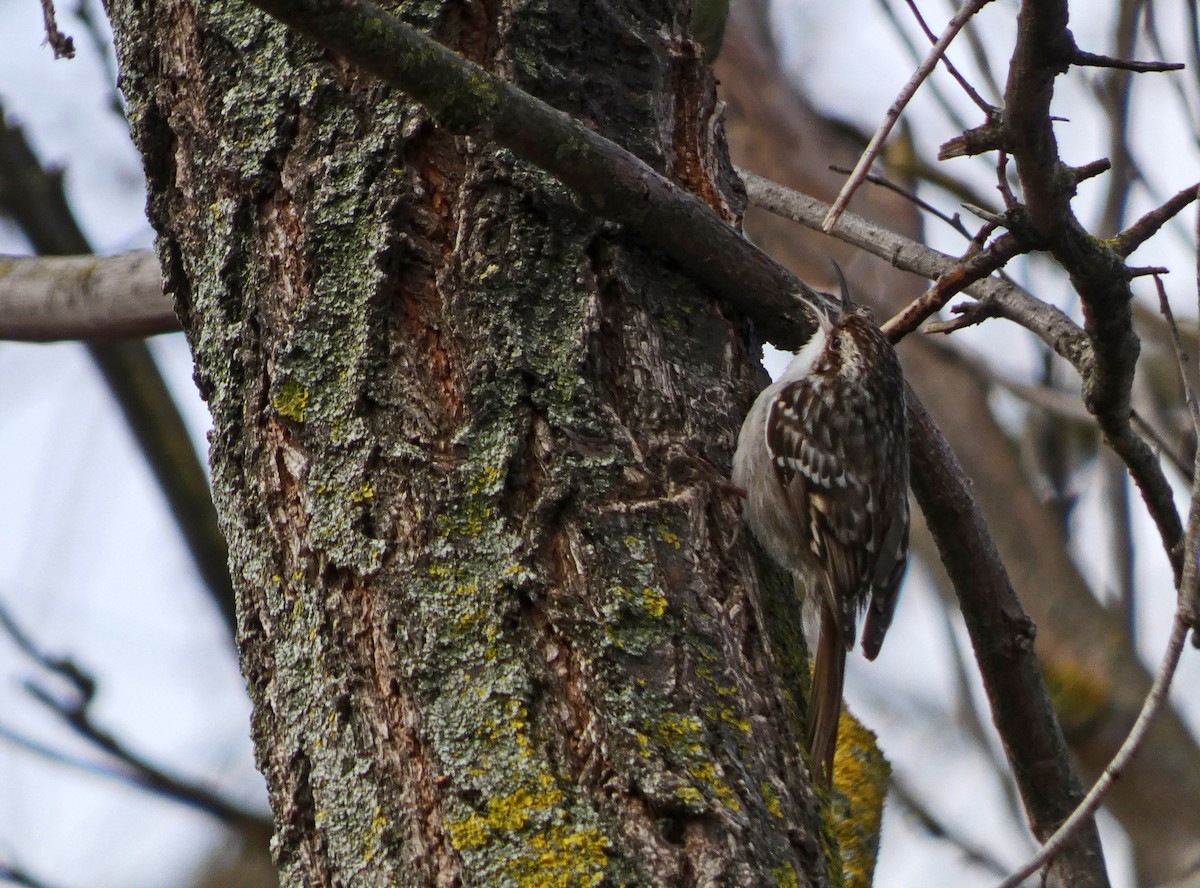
(496, 612)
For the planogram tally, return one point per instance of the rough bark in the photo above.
(495, 608)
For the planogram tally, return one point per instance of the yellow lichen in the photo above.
(375, 840)
(487, 480)
(707, 773)
(469, 833)
(505, 814)
(771, 799)
(291, 400)
(563, 858)
(860, 781)
(653, 602)
(680, 732)
(784, 876)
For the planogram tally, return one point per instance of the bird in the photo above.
(822, 460)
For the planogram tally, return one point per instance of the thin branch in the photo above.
(997, 298)
(1178, 460)
(954, 222)
(134, 769)
(893, 114)
(979, 51)
(1189, 589)
(247, 823)
(986, 107)
(968, 271)
(1082, 815)
(916, 54)
(939, 829)
(1181, 356)
(142, 773)
(1147, 226)
(1092, 60)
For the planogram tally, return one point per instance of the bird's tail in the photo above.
(825, 701)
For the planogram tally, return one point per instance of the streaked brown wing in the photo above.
(832, 447)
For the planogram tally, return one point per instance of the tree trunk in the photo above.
(497, 615)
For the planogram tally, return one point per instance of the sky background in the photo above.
(92, 568)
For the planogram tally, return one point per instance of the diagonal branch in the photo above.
(606, 179)
(909, 90)
(998, 298)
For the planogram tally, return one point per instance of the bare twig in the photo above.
(908, 194)
(1189, 589)
(1082, 815)
(997, 298)
(1147, 226)
(63, 45)
(939, 829)
(986, 107)
(1162, 446)
(893, 114)
(916, 53)
(1181, 355)
(1132, 272)
(970, 270)
(1093, 60)
(133, 769)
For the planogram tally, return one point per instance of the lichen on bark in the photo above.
(498, 619)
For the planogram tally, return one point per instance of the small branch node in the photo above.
(1090, 170)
